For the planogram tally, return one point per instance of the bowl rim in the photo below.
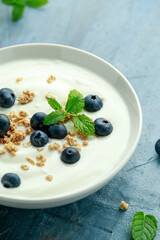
(95, 186)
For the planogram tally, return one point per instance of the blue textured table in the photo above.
(127, 34)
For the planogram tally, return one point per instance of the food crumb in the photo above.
(82, 135)
(124, 206)
(30, 160)
(41, 158)
(78, 146)
(19, 79)
(54, 146)
(71, 133)
(60, 150)
(40, 164)
(26, 144)
(71, 141)
(65, 145)
(24, 122)
(28, 131)
(102, 98)
(2, 151)
(49, 178)
(25, 167)
(23, 113)
(39, 149)
(51, 79)
(85, 143)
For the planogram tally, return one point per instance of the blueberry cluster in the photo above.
(7, 100)
(93, 103)
(42, 133)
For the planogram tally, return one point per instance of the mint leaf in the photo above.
(54, 117)
(18, 2)
(14, 2)
(54, 104)
(36, 3)
(75, 102)
(144, 227)
(8, 2)
(17, 12)
(84, 124)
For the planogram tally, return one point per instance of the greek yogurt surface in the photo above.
(97, 159)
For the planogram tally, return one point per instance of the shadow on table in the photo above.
(94, 217)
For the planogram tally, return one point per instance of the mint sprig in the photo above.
(74, 105)
(144, 227)
(19, 6)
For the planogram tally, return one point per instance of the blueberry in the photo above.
(39, 138)
(37, 121)
(103, 127)
(11, 180)
(70, 155)
(7, 98)
(4, 124)
(93, 103)
(57, 130)
(157, 147)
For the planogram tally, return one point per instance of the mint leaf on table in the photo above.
(54, 104)
(18, 2)
(75, 102)
(8, 2)
(36, 3)
(144, 227)
(17, 12)
(84, 124)
(54, 117)
(19, 5)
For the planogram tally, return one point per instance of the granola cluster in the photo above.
(14, 136)
(70, 142)
(26, 97)
(51, 79)
(40, 162)
(54, 146)
(11, 148)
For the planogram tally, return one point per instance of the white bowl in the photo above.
(115, 78)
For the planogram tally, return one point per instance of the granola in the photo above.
(26, 97)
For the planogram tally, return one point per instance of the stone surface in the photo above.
(126, 34)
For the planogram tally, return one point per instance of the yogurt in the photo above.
(97, 159)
